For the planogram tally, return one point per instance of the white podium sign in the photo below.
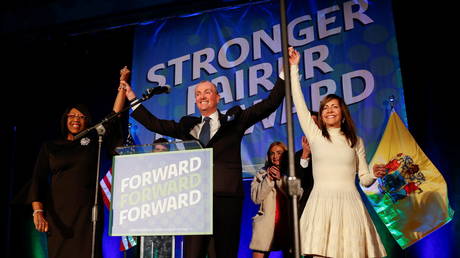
(162, 193)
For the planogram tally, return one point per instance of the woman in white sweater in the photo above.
(335, 222)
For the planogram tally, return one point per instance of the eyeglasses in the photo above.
(75, 116)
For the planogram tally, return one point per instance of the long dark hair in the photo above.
(347, 125)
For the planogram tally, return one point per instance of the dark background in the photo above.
(58, 52)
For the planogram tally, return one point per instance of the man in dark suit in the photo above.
(303, 168)
(223, 133)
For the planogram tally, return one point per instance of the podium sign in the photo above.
(162, 193)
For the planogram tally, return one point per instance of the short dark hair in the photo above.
(160, 140)
(80, 107)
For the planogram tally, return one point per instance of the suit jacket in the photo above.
(306, 179)
(226, 143)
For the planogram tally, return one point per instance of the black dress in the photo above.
(64, 181)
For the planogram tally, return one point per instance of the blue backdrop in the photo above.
(347, 47)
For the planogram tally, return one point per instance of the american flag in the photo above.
(126, 242)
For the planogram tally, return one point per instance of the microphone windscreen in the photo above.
(168, 88)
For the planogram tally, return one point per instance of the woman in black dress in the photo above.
(63, 183)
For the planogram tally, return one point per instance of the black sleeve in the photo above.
(299, 170)
(39, 183)
(304, 174)
(164, 127)
(264, 108)
(114, 134)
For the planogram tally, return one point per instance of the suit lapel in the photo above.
(223, 123)
(191, 121)
(188, 123)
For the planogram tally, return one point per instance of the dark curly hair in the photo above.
(80, 107)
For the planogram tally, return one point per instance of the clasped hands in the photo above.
(274, 173)
(124, 85)
(124, 76)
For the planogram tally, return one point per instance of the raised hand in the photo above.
(306, 151)
(294, 56)
(124, 85)
(120, 99)
(130, 95)
(124, 74)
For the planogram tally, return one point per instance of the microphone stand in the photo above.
(100, 129)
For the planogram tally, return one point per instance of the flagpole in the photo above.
(293, 182)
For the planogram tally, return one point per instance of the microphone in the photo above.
(156, 91)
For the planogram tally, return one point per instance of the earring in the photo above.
(343, 120)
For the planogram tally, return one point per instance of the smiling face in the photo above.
(275, 154)
(76, 122)
(331, 114)
(206, 98)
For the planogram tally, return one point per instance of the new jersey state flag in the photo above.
(411, 199)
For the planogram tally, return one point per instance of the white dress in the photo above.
(335, 222)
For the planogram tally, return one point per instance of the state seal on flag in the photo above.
(403, 178)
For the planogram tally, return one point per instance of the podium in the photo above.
(160, 191)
